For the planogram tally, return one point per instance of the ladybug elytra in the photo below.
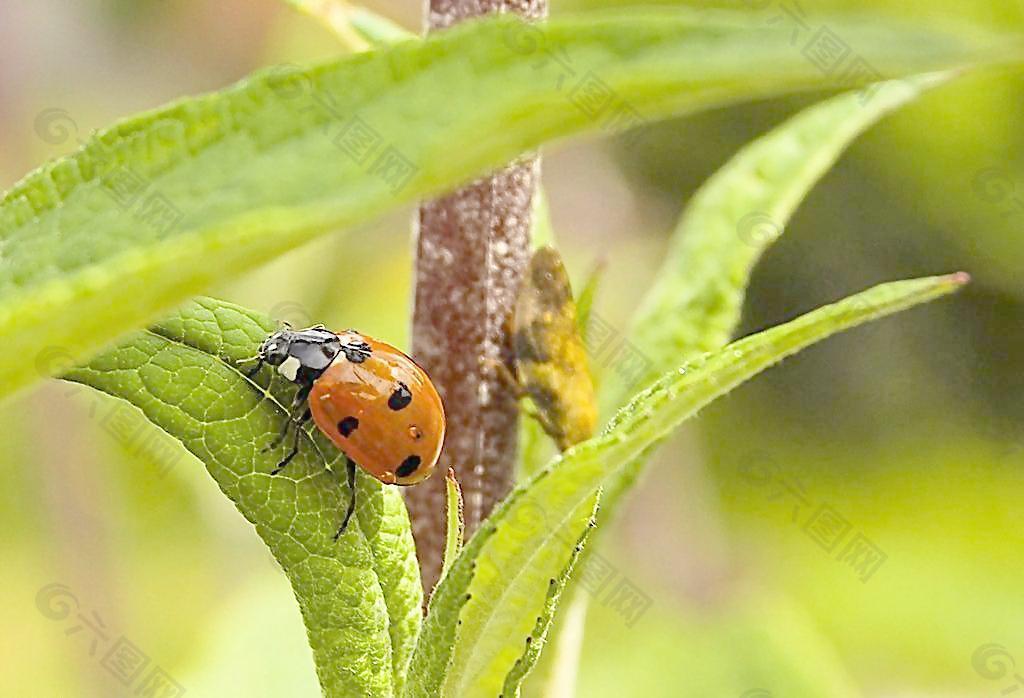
(371, 400)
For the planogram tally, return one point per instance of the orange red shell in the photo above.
(383, 413)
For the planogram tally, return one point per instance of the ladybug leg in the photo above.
(297, 401)
(295, 444)
(281, 435)
(351, 501)
(255, 369)
(292, 421)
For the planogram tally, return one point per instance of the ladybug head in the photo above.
(275, 348)
(301, 356)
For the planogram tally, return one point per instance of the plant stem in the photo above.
(472, 252)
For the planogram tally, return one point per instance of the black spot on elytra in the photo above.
(401, 398)
(408, 466)
(357, 352)
(347, 426)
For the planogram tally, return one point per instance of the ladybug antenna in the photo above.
(259, 364)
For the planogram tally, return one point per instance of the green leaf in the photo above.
(357, 27)
(535, 446)
(538, 638)
(456, 524)
(377, 29)
(485, 608)
(165, 204)
(432, 672)
(556, 672)
(360, 597)
(588, 294)
(542, 232)
(695, 302)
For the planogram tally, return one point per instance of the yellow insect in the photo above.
(551, 360)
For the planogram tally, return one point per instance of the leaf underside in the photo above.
(161, 206)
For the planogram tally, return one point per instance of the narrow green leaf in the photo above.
(377, 29)
(168, 203)
(475, 632)
(431, 673)
(695, 302)
(588, 293)
(360, 597)
(557, 669)
(537, 640)
(535, 446)
(357, 27)
(456, 528)
(542, 232)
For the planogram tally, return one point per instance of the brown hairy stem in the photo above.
(472, 253)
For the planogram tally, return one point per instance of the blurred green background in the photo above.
(910, 431)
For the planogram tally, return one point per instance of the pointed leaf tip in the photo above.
(456, 527)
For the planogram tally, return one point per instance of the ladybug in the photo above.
(371, 400)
